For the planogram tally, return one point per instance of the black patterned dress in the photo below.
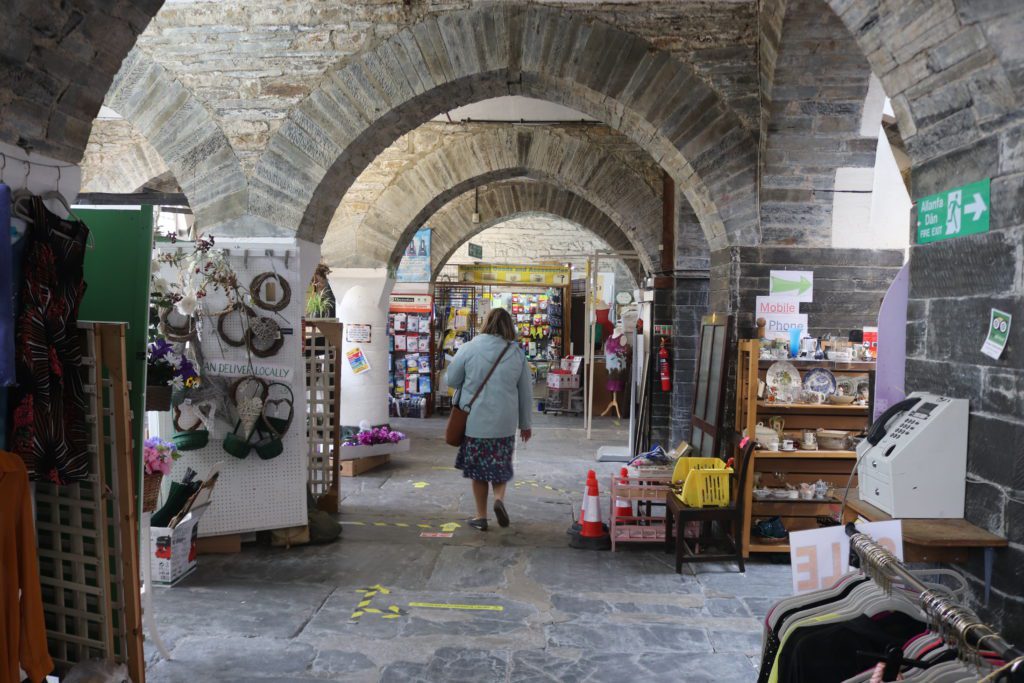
(48, 425)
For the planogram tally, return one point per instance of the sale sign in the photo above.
(818, 557)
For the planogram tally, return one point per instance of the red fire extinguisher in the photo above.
(663, 368)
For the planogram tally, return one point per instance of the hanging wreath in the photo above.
(264, 337)
(256, 288)
(222, 317)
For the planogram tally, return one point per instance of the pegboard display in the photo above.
(86, 547)
(252, 494)
(323, 381)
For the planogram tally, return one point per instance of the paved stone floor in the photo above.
(567, 615)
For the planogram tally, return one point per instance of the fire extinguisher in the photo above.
(663, 368)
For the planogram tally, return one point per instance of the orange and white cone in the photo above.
(591, 476)
(591, 524)
(623, 508)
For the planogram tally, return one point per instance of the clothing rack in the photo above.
(959, 626)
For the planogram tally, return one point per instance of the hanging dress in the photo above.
(48, 422)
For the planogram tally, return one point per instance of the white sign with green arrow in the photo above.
(792, 284)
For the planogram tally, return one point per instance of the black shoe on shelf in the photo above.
(480, 523)
(501, 513)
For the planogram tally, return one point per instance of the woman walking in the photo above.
(504, 402)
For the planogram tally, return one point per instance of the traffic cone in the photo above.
(623, 508)
(591, 526)
(575, 528)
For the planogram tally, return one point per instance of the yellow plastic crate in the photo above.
(706, 487)
(685, 465)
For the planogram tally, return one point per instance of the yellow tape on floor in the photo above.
(440, 605)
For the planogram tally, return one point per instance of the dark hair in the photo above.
(499, 322)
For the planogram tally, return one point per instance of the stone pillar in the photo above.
(661, 408)
(690, 305)
(362, 296)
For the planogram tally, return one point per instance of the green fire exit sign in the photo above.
(954, 213)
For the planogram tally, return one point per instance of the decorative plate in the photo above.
(785, 380)
(820, 379)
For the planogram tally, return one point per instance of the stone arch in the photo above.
(568, 161)
(119, 159)
(186, 137)
(813, 124)
(491, 50)
(498, 202)
(59, 60)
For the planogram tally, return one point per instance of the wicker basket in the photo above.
(158, 397)
(150, 491)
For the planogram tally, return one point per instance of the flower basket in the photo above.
(158, 397)
(151, 490)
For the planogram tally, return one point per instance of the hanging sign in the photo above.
(410, 303)
(484, 274)
(998, 333)
(475, 251)
(357, 360)
(820, 556)
(961, 211)
(796, 285)
(357, 333)
(415, 264)
(234, 368)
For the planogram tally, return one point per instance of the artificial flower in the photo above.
(187, 305)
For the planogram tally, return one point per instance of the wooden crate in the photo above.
(353, 468)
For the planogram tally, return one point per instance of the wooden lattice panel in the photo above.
(86, 531)
(322, 348)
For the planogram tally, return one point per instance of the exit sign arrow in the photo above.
(976, 207)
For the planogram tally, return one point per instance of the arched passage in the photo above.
(470, 55)
(452, 225)
(568, 161)
(185, 136)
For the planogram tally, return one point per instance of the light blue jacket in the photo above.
(507, 401)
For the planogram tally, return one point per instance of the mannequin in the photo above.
(616, 358)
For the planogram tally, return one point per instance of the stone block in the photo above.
(984, 506)
(995, 447)
(956, 327)
(966, 266)
(1007, 194)
(979, 160)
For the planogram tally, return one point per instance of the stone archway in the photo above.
(60, 58)
(186, 137)
(470, 55)
(452, 225)
(568, 161)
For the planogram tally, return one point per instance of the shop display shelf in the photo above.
(808, 455)
(769, 547)
(809, 409)
(841, 365)
(644, 494)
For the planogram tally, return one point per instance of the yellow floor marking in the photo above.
(420, 485)
(372, 610)
(439, 605)
(424, 526)
(390, 616)
(356, 615)
(450, 526)
(380, 523)
(401, 524)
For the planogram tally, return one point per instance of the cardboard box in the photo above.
(173, 551)
(561, 379)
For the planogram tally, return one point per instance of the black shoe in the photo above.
(501, 513)
(480, 523)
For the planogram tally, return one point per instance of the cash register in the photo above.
(913, 462)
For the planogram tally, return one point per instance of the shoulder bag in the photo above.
(455, 433)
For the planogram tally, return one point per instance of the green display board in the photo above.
(117, 290)
(954, 213)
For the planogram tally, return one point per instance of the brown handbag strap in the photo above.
(491, 372)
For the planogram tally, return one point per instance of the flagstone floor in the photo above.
(512, 604)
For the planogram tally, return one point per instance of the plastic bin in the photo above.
(685, 465)
(707, 487)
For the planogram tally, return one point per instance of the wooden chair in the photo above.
(729, 517)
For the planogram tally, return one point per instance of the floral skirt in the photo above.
(486, 459)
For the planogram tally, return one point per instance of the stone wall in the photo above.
(118, 158)
(691, 303)
(816, 101)
(57, 60)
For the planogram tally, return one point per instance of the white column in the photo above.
(362, 296)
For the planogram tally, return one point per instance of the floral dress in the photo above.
(486, 459)
(49, 428)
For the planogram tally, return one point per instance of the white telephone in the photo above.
(913, 463)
